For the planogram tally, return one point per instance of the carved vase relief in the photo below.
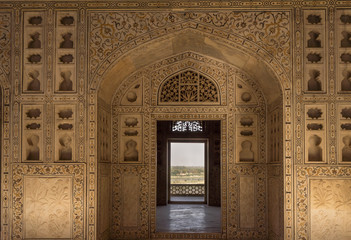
(64, 132)
(315, 134)
(131, 138)
(344, 133)
(32, 133)
(246, 139)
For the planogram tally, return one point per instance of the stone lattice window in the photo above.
(188, 87)
(187, 126)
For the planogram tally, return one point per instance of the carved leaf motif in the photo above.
(48, 203)
(323, 195)
(342, 196)
(330, 209)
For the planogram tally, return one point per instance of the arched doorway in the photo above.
(133, 114)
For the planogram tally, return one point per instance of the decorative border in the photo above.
(19, 171)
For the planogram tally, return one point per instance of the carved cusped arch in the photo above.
(188, 87)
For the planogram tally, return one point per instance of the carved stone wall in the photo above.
(130, 121)
(48, 201)
(56, 57)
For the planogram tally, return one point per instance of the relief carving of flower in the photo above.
(322, 196)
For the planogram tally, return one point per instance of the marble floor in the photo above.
(188, 218)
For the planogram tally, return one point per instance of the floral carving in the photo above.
(330, 202)
(5, 51)
(322, 195)
(188, 87)
(51, 199)
(110, 31)
(48, 206)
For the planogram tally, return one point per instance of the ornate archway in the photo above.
(242, 53)
(136, 107)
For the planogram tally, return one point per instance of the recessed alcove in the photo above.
(249, 147)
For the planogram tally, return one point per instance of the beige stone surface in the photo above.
(47, 207)
(274, 205)
(130, 200)
(330, 209)
(247, 202)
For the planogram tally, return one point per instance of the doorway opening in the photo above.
(188, 177)
(187, 171)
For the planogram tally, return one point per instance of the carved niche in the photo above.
(315, 134)
(343, 44)
(247, 139)
(33, 50)
(66, 44)
(344, 134)
(64, 132)
(131, 138)
(314, 54)
(32, 135)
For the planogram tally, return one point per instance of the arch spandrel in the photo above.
(151, 79)
(266, 71)
(268, 30)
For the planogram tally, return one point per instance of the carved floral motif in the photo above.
(47, 211)
(326, 199)
(111, 30)
(50, 206)
(5, 43)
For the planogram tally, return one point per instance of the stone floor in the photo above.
(188, 218)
